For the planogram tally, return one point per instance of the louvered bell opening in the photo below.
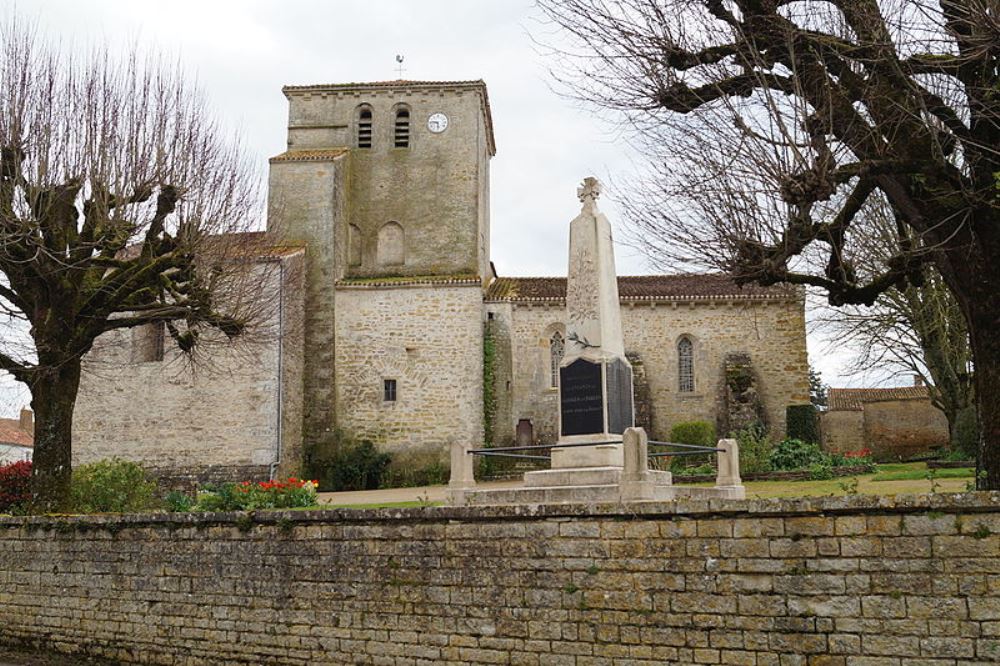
(365, 129)
(402, 134)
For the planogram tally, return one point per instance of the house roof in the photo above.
(853, 399)
(11, 433)
(477, 84)
(641, 288)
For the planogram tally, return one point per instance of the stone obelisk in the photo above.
(595, 378)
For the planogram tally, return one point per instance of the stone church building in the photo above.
(389, 314)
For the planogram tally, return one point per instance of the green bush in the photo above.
(405, 476)
(178, 502)
(821, 471)
(111, 486)
(796, 454)
(755, 449)
(354, 466)
(700, 433)
(966, 435)
(802, 423)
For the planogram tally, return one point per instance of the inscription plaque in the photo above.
(620, 414)
(581, 398)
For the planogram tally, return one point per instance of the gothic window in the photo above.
(389, 390)
(391, 245)
(353, 245)
(402, 128)
(147, 343)
(364, 127)
(556, 348)
(685, 365)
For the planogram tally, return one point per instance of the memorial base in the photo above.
(629, 481)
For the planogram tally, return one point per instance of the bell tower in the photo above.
(417, 185)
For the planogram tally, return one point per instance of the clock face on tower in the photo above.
(437, 123)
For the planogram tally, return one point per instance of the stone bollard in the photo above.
(463, 476)
(729, 468)
(636, 483)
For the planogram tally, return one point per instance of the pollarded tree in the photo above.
(775, 124)
(119, 203)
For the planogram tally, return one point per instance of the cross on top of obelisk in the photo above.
(589, 191)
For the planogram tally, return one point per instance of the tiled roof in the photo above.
(477, 84)
(11, 433)
(405, 281)
(853, 399)
(640, 287)
(308, 155)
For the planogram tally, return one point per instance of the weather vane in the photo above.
(399, 65)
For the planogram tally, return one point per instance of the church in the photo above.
(392, 324)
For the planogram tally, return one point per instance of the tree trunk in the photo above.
(53, 398)
(984, 334)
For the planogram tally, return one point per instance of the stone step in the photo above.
(573, 476)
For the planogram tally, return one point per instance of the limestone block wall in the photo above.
(219, 419)
(842, 430)
(860, 581)
(899, 429)
(772, 332)
(429, 339)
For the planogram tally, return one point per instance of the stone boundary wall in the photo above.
(855, 581)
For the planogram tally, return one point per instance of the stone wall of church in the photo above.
(307, 200)
(771, 332)
(227, 418)
(429, 339)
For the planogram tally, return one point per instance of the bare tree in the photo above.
(120, 206)
(776, 125)
(913, 331)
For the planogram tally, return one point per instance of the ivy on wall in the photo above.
(489, 383)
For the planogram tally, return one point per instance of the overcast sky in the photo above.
(242, 52)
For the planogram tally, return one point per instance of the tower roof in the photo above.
(477, 85)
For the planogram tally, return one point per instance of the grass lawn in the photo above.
(890, 479)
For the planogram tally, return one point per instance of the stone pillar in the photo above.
(636, 483)
(729, 464)
(463, 476)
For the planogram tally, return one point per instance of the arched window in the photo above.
(685, 365)
(364, 126)
(556, 348)
(402, 128)
(391, 245)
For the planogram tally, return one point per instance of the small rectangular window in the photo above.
(389, 390)
(148, 343)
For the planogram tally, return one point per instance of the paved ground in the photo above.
(430, 494)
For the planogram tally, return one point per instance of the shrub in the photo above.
(353, 465)
(755, 448)
(802, 423)
(178, 502)
(111, 486)
(249, 496)
(966, 435)
(404, 476)
(700, 433)
(15, 486)
(820, 471)
(795, 454)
